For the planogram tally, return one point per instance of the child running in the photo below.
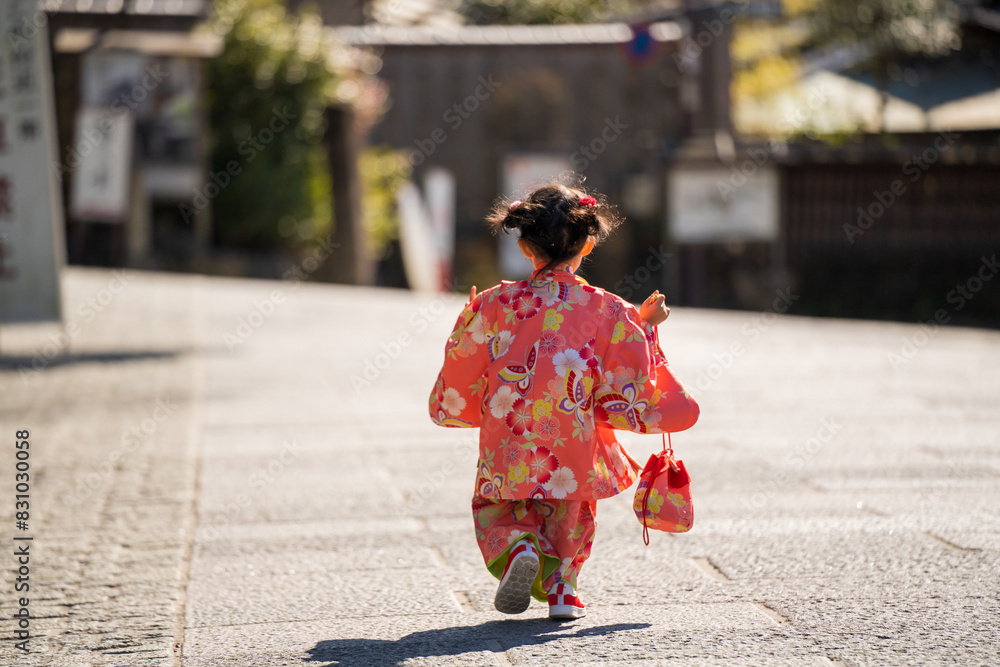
(547, 368)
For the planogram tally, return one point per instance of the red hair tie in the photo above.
(514, 204)
(588, 202)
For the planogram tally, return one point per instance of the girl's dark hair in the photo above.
(555, 222)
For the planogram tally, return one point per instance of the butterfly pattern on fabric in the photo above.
(551, 291)
(521, 375)
(498, 344)
(578, 400)
(628, 404)
(490, 483)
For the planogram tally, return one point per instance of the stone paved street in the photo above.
(240, 473)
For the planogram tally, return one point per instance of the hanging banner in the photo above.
(417, 241)
(439, 191)
(31, 224)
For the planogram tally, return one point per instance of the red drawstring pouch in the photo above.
(663, 498)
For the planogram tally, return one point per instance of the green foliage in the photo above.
(268, 91)
(530, 12)
(765, 58)
(382, 174)
(889, 27)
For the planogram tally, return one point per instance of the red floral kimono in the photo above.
(548, 368)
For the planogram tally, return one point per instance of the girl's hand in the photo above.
(653, 309)
(472, 294)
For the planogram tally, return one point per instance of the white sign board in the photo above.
(523, 173)
(31, 223)
(100, 185)
(707, 206)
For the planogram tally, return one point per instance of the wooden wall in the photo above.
(950, 206)
(911, 254)
(547, 98)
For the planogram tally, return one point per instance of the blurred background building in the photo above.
(130, 108)
(847, 151)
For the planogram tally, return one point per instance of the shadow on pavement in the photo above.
(40, 363)
(494, 636)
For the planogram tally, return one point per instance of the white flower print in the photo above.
(561, 483)
(568, 360)
(477, 329)
(502, 401)
(453, 401)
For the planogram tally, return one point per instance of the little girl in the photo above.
(547, 368)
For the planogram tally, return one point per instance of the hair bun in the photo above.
(556, 220)
(517, 215)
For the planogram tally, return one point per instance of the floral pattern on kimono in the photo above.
(548, 368)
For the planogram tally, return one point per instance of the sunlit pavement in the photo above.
(236, 472)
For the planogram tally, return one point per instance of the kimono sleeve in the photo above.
(637, 391)
(457, 397)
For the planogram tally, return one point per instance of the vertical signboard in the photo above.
(100, 182)
(112, 95)
(31, 225)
